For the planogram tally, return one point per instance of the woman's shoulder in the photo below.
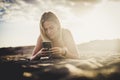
(40, 38)
(66, 31)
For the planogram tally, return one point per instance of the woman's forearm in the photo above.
(69, 54)
(35, 56)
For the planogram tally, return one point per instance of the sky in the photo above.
(88, 20)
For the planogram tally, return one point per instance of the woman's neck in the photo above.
(56, 40)
(57, 43)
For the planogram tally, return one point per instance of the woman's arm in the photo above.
(70, 49)
(37, 48)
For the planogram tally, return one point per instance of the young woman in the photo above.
(62, 41)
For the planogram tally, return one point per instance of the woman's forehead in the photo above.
(49, 23)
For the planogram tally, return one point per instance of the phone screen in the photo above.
(47, 45)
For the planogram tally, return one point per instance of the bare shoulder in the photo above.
(40, 38)
(67, 36)
(66, 32)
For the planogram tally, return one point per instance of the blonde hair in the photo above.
(48, 16)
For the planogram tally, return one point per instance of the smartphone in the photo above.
(47, 45)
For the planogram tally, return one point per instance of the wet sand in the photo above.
(15, 65)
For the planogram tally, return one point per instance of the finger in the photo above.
(54, 48)
(48, 51)
(43, 49)
(43, 52)
(55, 51)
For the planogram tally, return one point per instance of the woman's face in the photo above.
(51, 29)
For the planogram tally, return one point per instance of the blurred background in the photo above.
(88, 20)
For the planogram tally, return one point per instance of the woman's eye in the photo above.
(51, 28)
(45, 29)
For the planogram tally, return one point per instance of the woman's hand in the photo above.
(43, 51)
(38, 54)
(57, 50)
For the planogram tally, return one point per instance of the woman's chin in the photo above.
(51, 38)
